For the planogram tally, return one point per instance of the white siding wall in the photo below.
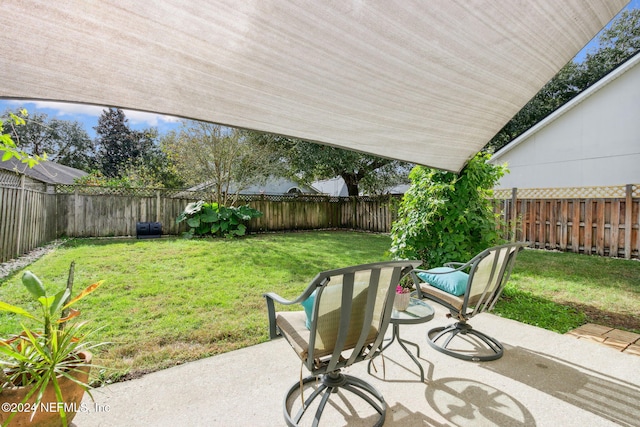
(595, 143)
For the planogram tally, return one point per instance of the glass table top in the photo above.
(417, 312)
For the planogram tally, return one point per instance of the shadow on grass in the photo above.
(537, 311)
(627, 322)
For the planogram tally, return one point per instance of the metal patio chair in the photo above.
(467, 289)
(346, 315)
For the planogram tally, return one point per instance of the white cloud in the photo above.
(149, 119)
(71, 110)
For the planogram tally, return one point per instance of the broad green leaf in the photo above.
(47, 301)
(209, 216)
(33, 284)
(194, 222)
(8, 155)
(59, 300)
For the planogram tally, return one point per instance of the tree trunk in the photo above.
(352, 181)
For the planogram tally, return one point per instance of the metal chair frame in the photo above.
(326, 370)
(472, 302)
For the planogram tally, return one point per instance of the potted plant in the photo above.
(401, 301)
(45, 370)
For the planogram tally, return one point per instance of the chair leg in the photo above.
(329, 384)
(459, 329)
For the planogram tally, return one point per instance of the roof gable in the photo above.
(599, 85)
(45, 171)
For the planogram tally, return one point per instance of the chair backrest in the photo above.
(351, 313)
(489, 272)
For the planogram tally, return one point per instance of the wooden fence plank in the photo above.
(564, 224)
(543, 224)
(628, 221)
(588, 226)
(575, 225)
(615, 228)
(600, 232)
(553, 224)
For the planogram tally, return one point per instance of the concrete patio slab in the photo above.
(543, 379)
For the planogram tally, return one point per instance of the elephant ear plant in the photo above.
(39, 358)
(217, 220)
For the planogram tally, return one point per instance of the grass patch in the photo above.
(168, 301)
(561, 291)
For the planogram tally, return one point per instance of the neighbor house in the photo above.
(593, 140)
(44, 172)
(271, 187)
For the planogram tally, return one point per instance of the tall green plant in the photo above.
(40, 357)
(217, 220)
(447, 217)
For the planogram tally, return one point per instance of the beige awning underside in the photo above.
(424, 81)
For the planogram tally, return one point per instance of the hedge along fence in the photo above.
(590, 220)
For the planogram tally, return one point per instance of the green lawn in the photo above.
(556, 290)
(168, 301)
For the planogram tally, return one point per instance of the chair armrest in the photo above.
(454, 264)
(271, 299)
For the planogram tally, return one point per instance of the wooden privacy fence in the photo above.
(31, 217)
(27, 215)
(589, 220)
(84, 211)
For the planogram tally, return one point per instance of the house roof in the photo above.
(272, 186)
(599, 85)
(335, 187)
(46, 171)
(427, 82)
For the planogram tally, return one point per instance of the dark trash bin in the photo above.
(148, 230)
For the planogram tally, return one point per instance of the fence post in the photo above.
(514, 214)
(628, 220)
(20, 215)
(158, 206)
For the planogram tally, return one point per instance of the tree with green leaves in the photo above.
(448, 217)
(131, 156)
(616, 44)
(216, 157)
(306, 162)
(62, 141)
(119, 147)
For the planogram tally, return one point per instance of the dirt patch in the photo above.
(607, 318)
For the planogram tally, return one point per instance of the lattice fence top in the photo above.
(205, 195)
(9, 179)
(609, 192)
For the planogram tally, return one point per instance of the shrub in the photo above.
(447, 217)
(217, 220)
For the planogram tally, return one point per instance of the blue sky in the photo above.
(88, 115)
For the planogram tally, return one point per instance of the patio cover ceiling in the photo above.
(428, 82)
